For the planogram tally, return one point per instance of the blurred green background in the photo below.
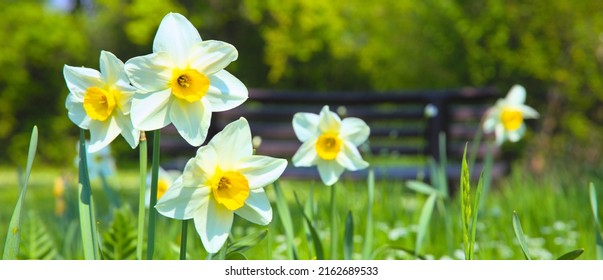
(552, 47)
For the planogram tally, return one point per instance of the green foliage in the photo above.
(119, 241)
(37, 243)
(13, 236)
(521, 236)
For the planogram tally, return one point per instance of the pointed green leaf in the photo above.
(598, 235)
(520, 236)
(285, 217)
(314, 235)
(119, 241)
(421, 187)
(243, 244)
(11, 245)
(36, 242)
(475, 210)
(465, 202)
(572, 255)
(424, 219)
(348, 237)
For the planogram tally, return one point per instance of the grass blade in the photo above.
(334, 225)
(520, 236)
(465, 203)
(424, 219)
(308, 211)
(420, 187)
(474, 212)
(368, 236)
(86, 207)
(314, 235)
(571, 255)
(598, 236)
(11, 245)
(285, 216)
(348, 237)
(245, 243)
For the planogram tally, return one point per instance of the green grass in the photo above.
(554, 210)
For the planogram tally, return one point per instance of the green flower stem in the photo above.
(154, 180)
(334, 229)
(183, 240)
(86, 206)
(141, 194)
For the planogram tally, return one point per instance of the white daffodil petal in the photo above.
(102, 134)
(233, 143)
(306, 155)
(213, 225)
(329, 171)
(212, 56)
(201, 168)
(176, 36)
(328, 121)
(516, 135)
(305, 126)
(516, 95)
(79, 79)
(182, 203)
(128, 131)
(528, 112)
(225, 91)
(124, 103)
(150, 73)
(111, 68)
(499, 132)
(354, 130)
(261, 170)
(350, 158)
(191, 119)
(76, 112)
(490, 123)
(150, 111)
(257, 208)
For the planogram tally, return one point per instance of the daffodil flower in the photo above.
(506, 118)
(165, 179)
(101, 101)
(224, 179)
(183, 81)
(100, 163)
(329, 143)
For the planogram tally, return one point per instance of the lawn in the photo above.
(554, 211)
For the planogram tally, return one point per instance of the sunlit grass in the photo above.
(554, 210)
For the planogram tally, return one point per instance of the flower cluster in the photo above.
(181, 83)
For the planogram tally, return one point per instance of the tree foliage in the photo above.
(553, 47)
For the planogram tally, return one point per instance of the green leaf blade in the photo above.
(11, 245)
(348, 237)
(520, 236)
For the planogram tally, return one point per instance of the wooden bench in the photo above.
(402, 137)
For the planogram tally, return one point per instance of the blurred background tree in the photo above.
(552, 47)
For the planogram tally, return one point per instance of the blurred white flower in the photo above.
(506, 117)
(165, 179)
(329, 143)
(99, 163)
